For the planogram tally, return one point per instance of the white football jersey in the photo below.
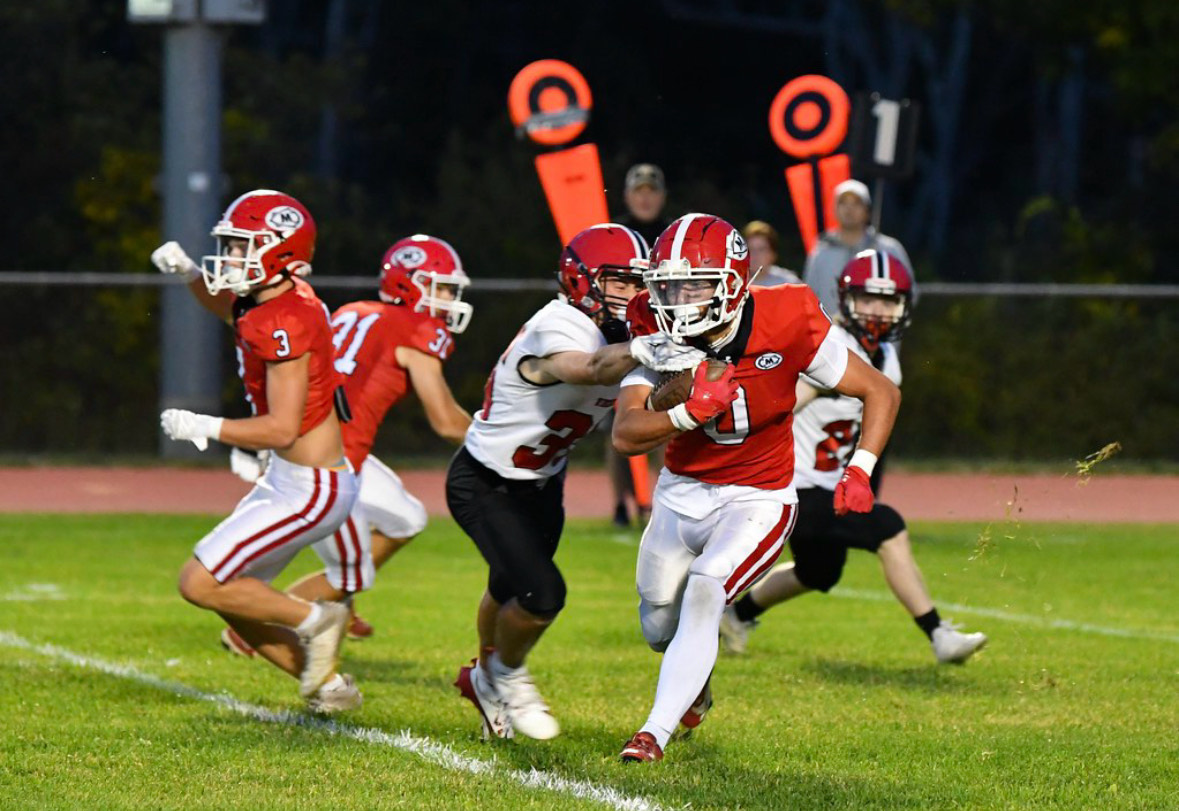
(826, 430)
(525, 431)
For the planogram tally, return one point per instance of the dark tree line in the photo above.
(1049, 150)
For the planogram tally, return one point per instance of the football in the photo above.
(675, 387)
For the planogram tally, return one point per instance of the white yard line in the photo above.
(33, 592)
(431, 751)
(1023, 619)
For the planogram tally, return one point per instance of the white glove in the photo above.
(179, 424)
(248, 466)
(171, 259)
(661, 353)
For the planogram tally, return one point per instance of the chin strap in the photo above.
(614, 330)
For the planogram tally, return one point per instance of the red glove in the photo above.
(710, 398)
(854, 492)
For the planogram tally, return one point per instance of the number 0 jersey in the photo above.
(283, 328)
(525, 430)
(367, 334)
(783, 332)
(827, 429)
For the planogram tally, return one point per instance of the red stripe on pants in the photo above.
(762, 547)
(272, 528)
(327, 508)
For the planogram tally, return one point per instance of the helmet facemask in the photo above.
(876, 313)
(226, 270)
(690, 301)
(441, 297)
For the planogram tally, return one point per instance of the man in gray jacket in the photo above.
(839, 245)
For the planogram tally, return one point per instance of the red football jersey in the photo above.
(367, 334)
(752, 443)
(286, 327)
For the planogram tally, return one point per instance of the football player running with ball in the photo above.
(875, 297)
(725, 502)
(285, 346)
(553, 383)
(384, 350)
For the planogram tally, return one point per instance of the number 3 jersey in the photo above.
(283, 328)
(827, 429)
(525, 430)
(367, 335)
(783, 332)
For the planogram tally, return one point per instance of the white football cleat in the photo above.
(475, 686)
(525, 709)
(952, 646)
(338, 694)
(734, 633)
(321, 646)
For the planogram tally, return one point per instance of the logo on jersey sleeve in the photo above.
(767, 361)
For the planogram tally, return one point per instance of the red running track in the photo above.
(918, 496)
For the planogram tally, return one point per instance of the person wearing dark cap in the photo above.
(645, 195)
(839, 245)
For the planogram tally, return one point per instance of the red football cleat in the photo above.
(232, 642)
(474, 687)
(358, 628)
(642, 748)
(694, 717)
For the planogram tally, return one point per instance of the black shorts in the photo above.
(821, 538)
(516, 525)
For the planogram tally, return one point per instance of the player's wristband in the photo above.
(681, 419)
(864, 460)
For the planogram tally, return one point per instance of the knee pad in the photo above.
(545, 596)
(820, 567)
(659, 623)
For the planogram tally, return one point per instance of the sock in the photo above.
(747, 609)
(927, 622)
(499, 669)
(689, 658)
(332, 683)
(306, 625)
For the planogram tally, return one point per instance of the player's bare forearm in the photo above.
(882, 400)
(636, 429)
(266, 432)
(605, 367)
(447, 418)
(220, 305)
(611, 363)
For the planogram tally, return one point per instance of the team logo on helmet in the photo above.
(737, 248)
(284, 218)
(411, 256)
(767, 361)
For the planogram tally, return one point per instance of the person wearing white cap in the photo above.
(837, 246)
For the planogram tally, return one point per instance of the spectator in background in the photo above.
(645, 196)
(839, 245)
(762, 239)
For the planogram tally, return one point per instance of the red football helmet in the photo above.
(425, 273)
(875, 297)
(699, 276)
(598, 252)
(280, 238)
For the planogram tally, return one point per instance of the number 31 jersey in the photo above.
(525, 430)
(367, 335)
(826, 430)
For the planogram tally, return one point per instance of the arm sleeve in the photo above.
(815, 340)
(555, 333)
(432, 338)
(829, 363)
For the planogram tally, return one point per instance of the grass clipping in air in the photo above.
(1086, 465)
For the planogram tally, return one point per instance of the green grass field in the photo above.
(839, 704)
